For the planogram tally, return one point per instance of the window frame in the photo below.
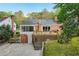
(28, 28)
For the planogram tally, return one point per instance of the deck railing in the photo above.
(44, 33)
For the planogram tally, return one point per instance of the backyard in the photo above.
(53, 48)
(66, 42)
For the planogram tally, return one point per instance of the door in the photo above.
(30, 37)
(24, 38)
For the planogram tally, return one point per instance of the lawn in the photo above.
(53, 48)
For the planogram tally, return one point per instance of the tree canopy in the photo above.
(44, 14)
(4, 14)
(19, 17)
(69, 15)
(67, 10)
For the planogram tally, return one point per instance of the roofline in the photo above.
(34, 25)
(27, 25)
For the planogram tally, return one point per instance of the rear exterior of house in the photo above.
(41, 27)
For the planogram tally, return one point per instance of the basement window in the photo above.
(46, 28)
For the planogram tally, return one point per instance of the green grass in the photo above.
(75, 41)
(53, 48)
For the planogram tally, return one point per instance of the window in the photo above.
(23, 28)
(46, 28)
(31, 28)
(27, 28)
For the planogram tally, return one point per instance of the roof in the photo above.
(3, 19)
(29, 22)
(42, 22)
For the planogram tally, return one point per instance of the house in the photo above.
(9, 21)
(32, 26)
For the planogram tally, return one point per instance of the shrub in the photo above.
(5, 32)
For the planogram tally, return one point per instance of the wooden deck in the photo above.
(43, 36)
(39, 37)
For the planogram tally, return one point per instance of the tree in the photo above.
(69, 15)
(19, 16)
(35, 15)
(70, 28)
(44, 14)
(5, 14)
(67, 11)
(52, 15)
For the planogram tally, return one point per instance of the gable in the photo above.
(6, 22)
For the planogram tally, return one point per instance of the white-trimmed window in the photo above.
(46, 28)
(27, 28)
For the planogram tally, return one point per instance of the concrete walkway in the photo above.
(18, 49)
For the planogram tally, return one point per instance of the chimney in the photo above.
(37, 26)
(12, 18)
(55, 19)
